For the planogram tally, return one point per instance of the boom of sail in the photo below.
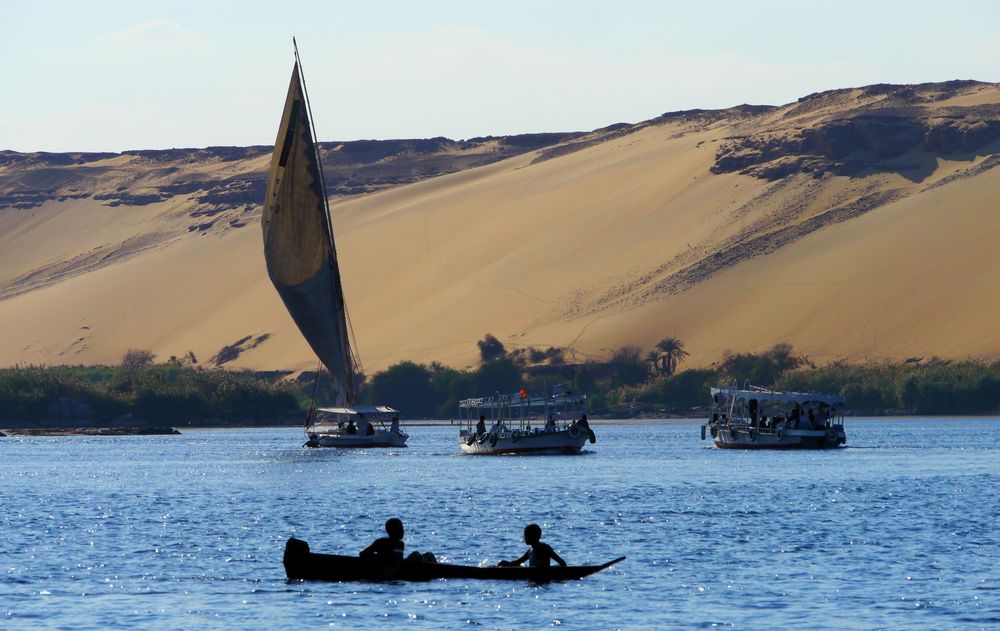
(298, 241)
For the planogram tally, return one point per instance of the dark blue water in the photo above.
(901, 529)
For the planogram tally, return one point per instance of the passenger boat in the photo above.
(301, 257)
(301, 564)
(760, 418)
(523, 423)
(356, 426)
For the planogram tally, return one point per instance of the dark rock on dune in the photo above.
(866, 139)
(353, 167)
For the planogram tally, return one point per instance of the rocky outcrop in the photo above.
(865, 138)
(28, 180)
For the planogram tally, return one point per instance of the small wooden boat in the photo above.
(301, 564)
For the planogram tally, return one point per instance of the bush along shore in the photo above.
(139, 395)
(633, 383)
(144, 395)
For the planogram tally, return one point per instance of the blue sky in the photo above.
(109, 76)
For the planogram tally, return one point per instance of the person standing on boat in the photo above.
(387, 550)
(394, 428)
(481, 425)
(550, 423)
(539, 554)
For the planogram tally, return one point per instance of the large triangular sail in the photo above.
(298, 241)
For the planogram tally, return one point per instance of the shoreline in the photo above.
(91, 431)
(441, 423)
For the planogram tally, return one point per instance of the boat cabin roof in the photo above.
(360, 409)
(504, 401)
(762, 394)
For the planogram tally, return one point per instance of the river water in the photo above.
(899, 529)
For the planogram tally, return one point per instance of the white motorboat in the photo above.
(523, 423)
(357, 426)
(760, 418)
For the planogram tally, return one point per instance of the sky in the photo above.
(112, 76)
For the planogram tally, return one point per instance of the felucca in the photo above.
(301, 258)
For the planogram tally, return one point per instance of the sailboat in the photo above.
(301, 258)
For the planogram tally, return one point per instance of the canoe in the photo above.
(301, 564)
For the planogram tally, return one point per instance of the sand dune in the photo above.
(856, 224)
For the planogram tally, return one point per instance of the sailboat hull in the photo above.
(356, 441)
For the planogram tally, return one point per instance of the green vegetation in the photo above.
(633, 382)
(139, 390)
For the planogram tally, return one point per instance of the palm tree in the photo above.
(673, 353)
(653, 359)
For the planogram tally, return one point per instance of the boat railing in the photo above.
(745, 424)
(520, 410)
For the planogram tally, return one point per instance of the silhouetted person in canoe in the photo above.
(481, 425)
(539, 554)
(387, 550)
(351, 429)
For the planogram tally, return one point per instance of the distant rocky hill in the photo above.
(847, 132)
(140, 177)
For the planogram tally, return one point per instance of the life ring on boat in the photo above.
(574, 431)
(515, 436)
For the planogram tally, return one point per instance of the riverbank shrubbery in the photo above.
(166, 393)
(618, 387)
(935, 387)
(179, 393)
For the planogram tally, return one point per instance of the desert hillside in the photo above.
(854, 224)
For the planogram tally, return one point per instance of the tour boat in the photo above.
(349, 427)
(301, 258)
(523, 423)
(760, 418)
(301, 564)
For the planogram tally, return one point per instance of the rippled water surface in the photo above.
(899, 530)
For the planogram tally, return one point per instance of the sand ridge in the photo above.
(854, 224)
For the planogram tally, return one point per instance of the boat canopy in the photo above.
(762, 394)
(360, 409)
(518, 400)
